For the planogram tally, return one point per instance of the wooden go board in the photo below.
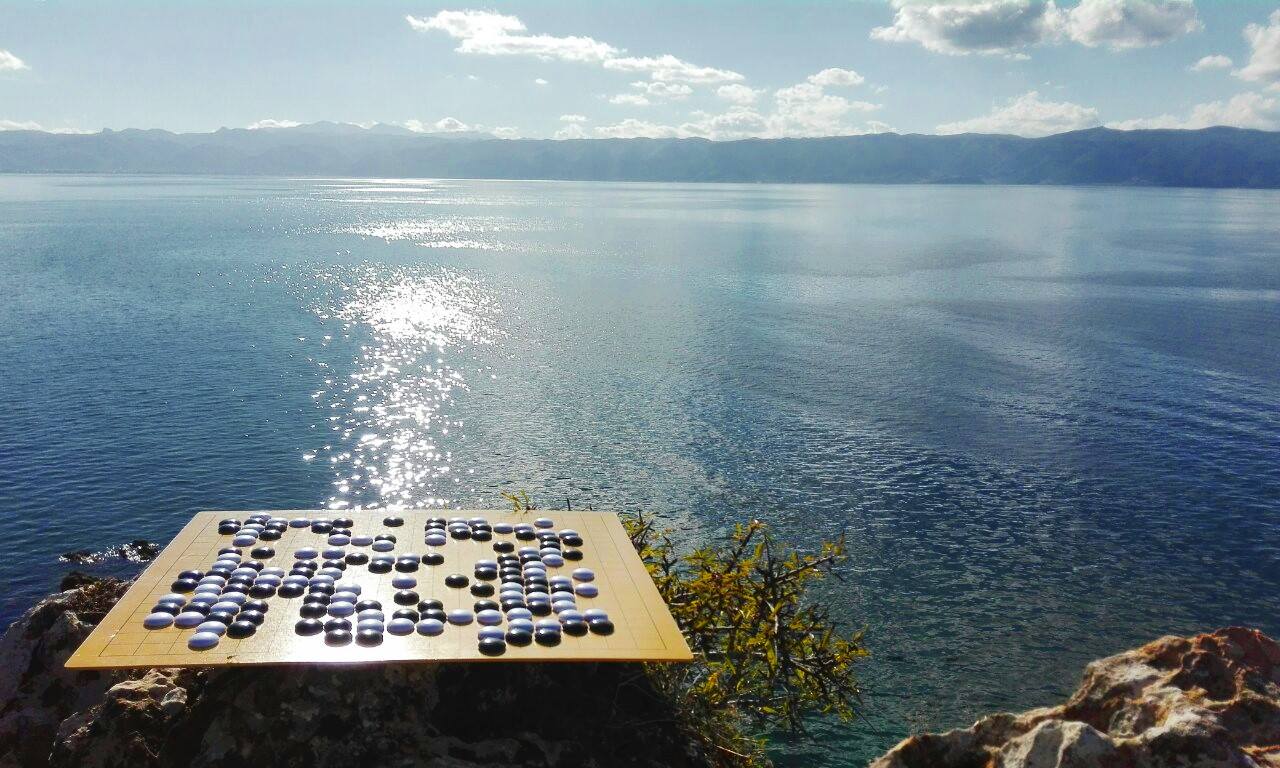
(606, 589)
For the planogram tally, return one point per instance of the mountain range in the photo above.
(1209, 157)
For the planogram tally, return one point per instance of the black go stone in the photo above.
(226, 617)
(229, 551)
(369, 637)
(312, 610)
(436, 613)
(440, 521)
(380, 566)
(406, 613)
(385, 537)
(573, 541)
(241, 629)
(185, 585)
(433, 558)
(482, 590)
(455, 580)
(393, 522)
(370, 605)
(540, 608)
(483, 535)
(512, 603)
(519, 637)
(256, 617)
(572, 554)
(262, 590)
(334, 625)
(270, 534)
(406, 565)
(431, 604)
(197, 575)
(486, 574)
(307, 627)
(321, 527)
(600, 626)
(546, 637)
(263, 553)
(321, 589)
(197, 607)
(460, 533)
(406, 597)
(228, 530)
(169, 608)
(357, 558)
(492, 646)
(254, 564)
(575, 627)
(339, 564)
(255, 605)
(343, 522)
(485, 605)
(220, 570)
(525, 535)
(337, 637)
(503, 546)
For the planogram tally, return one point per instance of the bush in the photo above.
(765, 656)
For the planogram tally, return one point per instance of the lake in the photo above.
(1047, 418)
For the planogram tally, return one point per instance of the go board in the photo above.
(316, 587)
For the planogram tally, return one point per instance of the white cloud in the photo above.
(1264, 46)
(670, 69)
(506, 132)
(803, 109)
(661, 90)
(1028, 115)
(1244, 110)
(632, 128)
(270, 123)
(739, 94)
(539, 81)
(494, 34)
(20, 125)
(573, 118)
(1206, 63)
(571, 131)
(11, 63)
(630, 99)
(1003, 27)
(834, 76)
(451, 125)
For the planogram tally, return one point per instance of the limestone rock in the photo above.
(1209, 700)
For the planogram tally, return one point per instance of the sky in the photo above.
(601, 68)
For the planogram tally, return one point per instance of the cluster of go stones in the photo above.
(518, 600)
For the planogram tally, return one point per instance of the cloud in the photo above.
(1264, 46)
(539, 81)
(632, 128)
(1003, 27)
(1121, 24)
(1244, 110)
(451, 125)
(270, 123)
(803, 109)
(661, 90)
(573, 118)
(835, 76)
(669, 69)
(20, 125)
(630, 99)
(494, 34)
(1027, 115)
(1217, 61)
(739, 94)
(571, 131)
(506, 132)
(11, 63)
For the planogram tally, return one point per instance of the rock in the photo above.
(1208, 700)
(442, 715)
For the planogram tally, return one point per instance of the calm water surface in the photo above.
(1048, 419)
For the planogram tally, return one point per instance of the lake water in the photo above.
(1048, 418)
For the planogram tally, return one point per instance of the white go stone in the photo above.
(202, 641)
(157, 621)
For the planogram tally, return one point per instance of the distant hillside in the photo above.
(1212, 157)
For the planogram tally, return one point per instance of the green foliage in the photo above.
(765, 656)
(520, 501)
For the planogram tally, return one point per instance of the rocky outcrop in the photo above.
(454, 716)
(1208, 700)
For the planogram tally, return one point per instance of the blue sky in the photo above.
(722, 70)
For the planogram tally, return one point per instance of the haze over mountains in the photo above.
(1210, 157)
